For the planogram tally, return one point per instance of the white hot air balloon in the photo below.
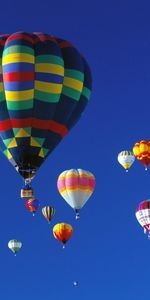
(14, 246)
(76, 187)
(126, 159)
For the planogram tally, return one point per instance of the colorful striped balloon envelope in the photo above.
(76, 187)
(45, 85)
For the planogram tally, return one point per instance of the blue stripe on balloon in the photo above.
(18, 67)
(47, 77)
(18, 85)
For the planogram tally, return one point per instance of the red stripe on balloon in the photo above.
(65, 44)
(18, 76)
(44, 38)
(20, 36)
(36, 123)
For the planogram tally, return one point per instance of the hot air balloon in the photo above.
(76, 187)
(48, 212)
(75, 283)
(14, 246)
(143, 215)
(45, 85)
(141, 151)
(62, 232)
(32, 205)
(126, 159)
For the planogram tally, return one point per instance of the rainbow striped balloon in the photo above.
(76, 187)
(45, 85)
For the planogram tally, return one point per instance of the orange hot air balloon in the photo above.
(141, 151)
(62, 232)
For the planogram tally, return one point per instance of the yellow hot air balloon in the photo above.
(62, 232)
(141, 151)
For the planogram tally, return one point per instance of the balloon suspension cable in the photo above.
(77, 214)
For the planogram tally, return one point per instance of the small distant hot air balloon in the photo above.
(14, 246)
(75, 283)
(32, 205)
(48, 212)
(143, 215)
(141, 151)
(76, 187)
(126, 159)
(62, 232)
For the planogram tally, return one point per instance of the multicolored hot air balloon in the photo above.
(76, 187)
(143, 215)
(14, 246)
(141, 151)
(126, 159)
(45, 85)
(48, 212)
(32, 205)
(62, 232)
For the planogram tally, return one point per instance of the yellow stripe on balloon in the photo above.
(19, 95)
(73, 83)
(0, 69)
(18, 57)
(76, 189)
(49, 68)
(48, 87)
(1, 87)
(76, 175)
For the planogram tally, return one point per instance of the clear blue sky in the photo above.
(108, 253)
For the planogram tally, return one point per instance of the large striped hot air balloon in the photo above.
(143, 215)
(141, 151)
(45, 85)
(76, 187)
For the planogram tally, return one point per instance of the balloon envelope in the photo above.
(48, 212)
(126, 159)
(62, 232)
(141, 151)
(76, 187)
(143, 215)
(45, 85)
(14, 245)
(32, 205)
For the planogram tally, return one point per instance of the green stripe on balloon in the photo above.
(20, 105)
(47, 97)
(52, 59)
(18, 49)
(74, 74)
(69, 92)
(86, 92)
